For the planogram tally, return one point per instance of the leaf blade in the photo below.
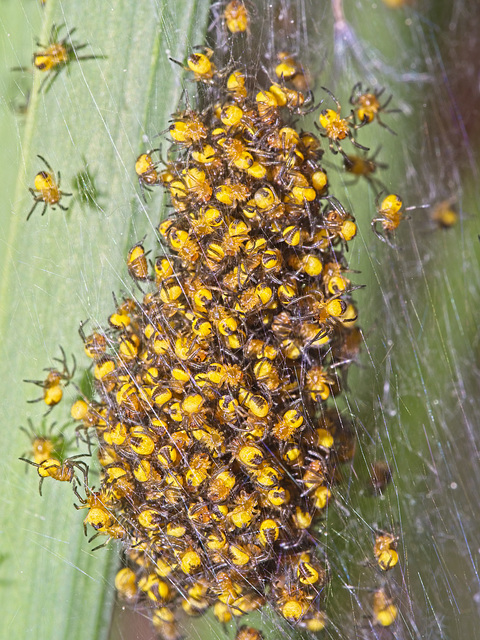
(59, 269)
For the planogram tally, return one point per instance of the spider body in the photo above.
(46, 189)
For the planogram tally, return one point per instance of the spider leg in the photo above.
(359, 146)
(388, 99)
(361, 124)
(385, 126)
(357, 89)
(333, 98)
(379, 235)
(92, 57)
(45, 163)
(78, 47)
(49, 81)
(37, 200)
(69, 33)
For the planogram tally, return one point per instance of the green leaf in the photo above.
(61, 268)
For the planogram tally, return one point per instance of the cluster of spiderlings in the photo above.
(218, 439)
(217, 444)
